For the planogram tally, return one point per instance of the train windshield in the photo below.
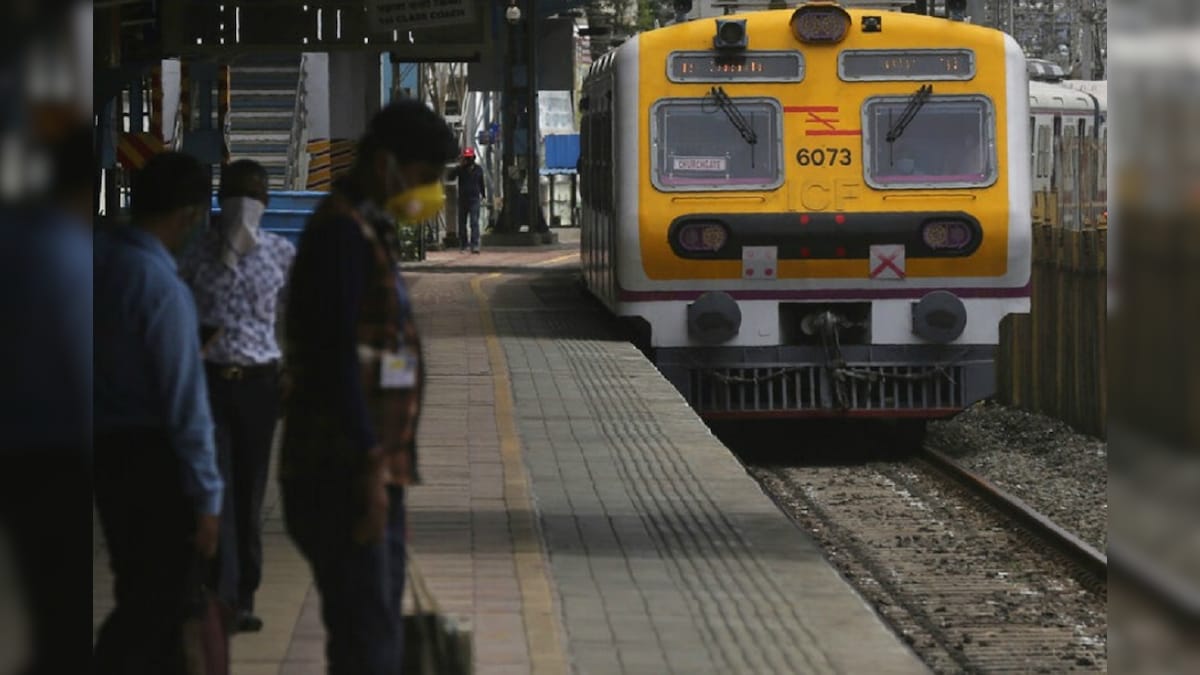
(949, 142)
(696, 145)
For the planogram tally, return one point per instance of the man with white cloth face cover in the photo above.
(238, 273)
(241, 219)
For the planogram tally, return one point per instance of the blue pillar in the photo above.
(136, 111)
(106, 146)
(204, 140)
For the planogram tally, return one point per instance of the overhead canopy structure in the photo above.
(412, 30)
(554, 36)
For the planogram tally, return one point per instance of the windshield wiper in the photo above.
(735, 116)
(915, 103)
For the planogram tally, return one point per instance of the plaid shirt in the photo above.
(334, 416)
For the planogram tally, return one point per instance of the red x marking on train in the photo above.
(887, 262)
(822, 120)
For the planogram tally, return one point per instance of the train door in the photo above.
(1057, 145)
(1033, 149)
(1069, 201)
(1085, 169)
(1102, 168)
(611, 225)
(1044, 154)
(585, 249)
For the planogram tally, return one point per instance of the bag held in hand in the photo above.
(206, 635)
(434, 644)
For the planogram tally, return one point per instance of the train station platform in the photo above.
(575, 513)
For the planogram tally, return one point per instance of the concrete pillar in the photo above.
(534, 216)
(354, 81)
(1087, 47)
(508, 128)
(316, 88)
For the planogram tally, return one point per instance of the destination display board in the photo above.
(750, 66)
(906, 64)
(699, 164)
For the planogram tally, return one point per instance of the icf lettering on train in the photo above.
(822, 195)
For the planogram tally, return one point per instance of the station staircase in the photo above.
(266, 115)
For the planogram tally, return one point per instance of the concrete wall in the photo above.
(82, 39)
(385, 78)
(316, 86)
(170, 103)
(354, 81)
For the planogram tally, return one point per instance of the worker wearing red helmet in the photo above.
(471, 193)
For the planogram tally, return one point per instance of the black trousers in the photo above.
(245, 412)
(45, 516)
(149, 524)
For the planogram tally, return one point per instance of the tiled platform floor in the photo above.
(575, 511)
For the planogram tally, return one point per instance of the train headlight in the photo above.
(940, 235)
(821, 21)
(700, 237)
(731, 34)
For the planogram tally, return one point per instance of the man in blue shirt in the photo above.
(45, 403)
(157, 487)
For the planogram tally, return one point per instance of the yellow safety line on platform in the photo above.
(542, 632)
(560, 258)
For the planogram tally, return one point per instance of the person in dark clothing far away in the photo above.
(354, 383)
(237, 273)
(157, 487)
(471, 193)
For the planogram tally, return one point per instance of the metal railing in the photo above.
(297, 152)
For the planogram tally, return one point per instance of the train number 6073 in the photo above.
(823, 156)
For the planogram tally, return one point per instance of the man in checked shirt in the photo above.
(355, 382)
(237, 273)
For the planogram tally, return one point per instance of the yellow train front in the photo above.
(812, 212)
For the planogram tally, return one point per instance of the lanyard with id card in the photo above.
(398, 369)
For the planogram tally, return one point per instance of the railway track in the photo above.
(972, 578)
(1091, 561)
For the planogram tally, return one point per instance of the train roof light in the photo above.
(820, 21)
(1043, 70)
(731, 34)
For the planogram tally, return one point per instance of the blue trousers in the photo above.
(361, 587)
(468, 211)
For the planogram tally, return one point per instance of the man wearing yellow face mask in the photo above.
(355, 377)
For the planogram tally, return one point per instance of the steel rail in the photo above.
(1094, 562)
(1178, 597)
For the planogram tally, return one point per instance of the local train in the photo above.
(1068, 149)
(813, 212)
